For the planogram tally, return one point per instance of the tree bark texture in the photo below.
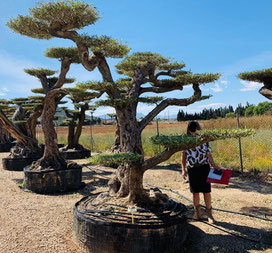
(18, 115)
(128, 180)
(26, 141)
(51, 157)
(4, 135)
(71, 134)
(266, 92)
(80, 124)
(116, 146)
(75, 130)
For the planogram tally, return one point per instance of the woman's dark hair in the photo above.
(193, 126)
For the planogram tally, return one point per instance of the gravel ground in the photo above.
(43, 223)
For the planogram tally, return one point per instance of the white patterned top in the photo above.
(197, 155)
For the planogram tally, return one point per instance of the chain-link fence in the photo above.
(256, 150)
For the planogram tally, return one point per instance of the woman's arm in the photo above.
(211, 161)
(183, 165)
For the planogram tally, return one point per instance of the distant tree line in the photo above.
(224, 112)
(264, 108)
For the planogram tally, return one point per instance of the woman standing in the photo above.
(197, 162)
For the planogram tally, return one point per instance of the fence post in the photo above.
(157, 124)
(240, 146)
(158, 133)
(91, 132)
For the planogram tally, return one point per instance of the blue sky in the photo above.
(208, 36)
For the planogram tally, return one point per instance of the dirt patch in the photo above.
(43, 223)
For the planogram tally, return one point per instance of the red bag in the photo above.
(219, 176)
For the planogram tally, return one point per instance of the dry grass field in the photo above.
(256, 150)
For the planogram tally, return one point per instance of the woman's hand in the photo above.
(184, 174)
(217, 167)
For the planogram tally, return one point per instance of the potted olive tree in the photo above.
(6, 140)
(81, 100)
(22, 126)
(52, 173)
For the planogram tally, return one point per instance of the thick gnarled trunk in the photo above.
(128, 179)
(71, 134)
(116, 146)
(51, 157)
(79, 129)
(4, 135)
(75, 130)
(27, 145)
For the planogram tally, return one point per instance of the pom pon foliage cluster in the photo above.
(46, 18)
(185, 141)
(262, 76)
(104, 45)
(60, 52)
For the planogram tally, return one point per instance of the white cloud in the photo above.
(212, 105)
(224, 82)
(217, 88)
(3, 91)
(188, 86)
(103, 111)
(249, 86)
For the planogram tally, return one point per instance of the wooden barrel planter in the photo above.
(53, 181)
(17, 164)
(115, 231)
(76, 154)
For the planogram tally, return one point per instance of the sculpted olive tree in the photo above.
(142, 73)
(20, 121)
(261, 76)
(52, 88)
(81, 100)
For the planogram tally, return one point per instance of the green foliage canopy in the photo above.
(184, 142)
(105, 46)
(60, 52)
(261, 76)
(67, 15)
(40, 71)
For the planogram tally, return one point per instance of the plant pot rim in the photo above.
(78, 167)
(176, 219)
(20, 158)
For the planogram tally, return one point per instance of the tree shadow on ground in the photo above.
(235, 238)
(174, 167)
(92, 186)
(91, 172)
(18, 181)
(94, 178)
